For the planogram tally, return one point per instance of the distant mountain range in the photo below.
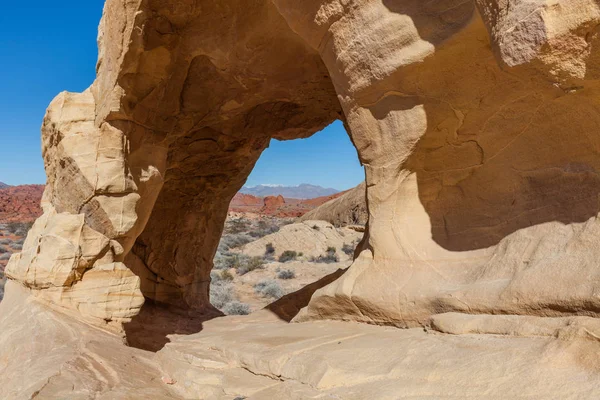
(303, 191)
(3, 185)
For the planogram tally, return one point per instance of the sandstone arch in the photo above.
(142, 166)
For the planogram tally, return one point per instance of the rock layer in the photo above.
(348, 209)
(474, 120)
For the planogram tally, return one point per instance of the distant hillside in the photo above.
(3, 185)
(348, 209)
(303, 191)
(277, 206)
(20, 203)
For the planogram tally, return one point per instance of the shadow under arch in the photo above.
(503, 150)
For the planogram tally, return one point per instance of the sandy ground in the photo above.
(306, 273)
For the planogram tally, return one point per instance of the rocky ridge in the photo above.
(20, 203)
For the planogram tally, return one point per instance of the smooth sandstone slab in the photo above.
(261, 357)
(355, 361)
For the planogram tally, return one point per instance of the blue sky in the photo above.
(327, 158)
(50, 46)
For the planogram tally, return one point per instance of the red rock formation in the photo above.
(273, 201)
(245, 200)
(20, 203)
(277, 206)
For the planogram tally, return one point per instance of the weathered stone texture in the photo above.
(477, 124)
(474, 120)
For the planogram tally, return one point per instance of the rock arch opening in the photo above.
(272, 245)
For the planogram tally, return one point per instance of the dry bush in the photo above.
(329, 257)
(269, 288)
(288, 255)
(286, 274)
(236, 308)
(221, 294)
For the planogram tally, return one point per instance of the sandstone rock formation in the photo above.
(311, 238)
(472, 120)
(273, 202)
(348, 209)
(475, 121)
(149, 157)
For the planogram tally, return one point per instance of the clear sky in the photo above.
(50, 46)
(327, 159)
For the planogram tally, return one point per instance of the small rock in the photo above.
(167, 380)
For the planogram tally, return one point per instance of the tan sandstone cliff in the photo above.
(476, 124)
(348, 209)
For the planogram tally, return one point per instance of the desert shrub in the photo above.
(2, 282)
(236, 308)
(215, 276)
(20, 241)
(221, 293)
(347, 249)
(269, 250)
(237, 225)
(19, 228)
(15, 246)
(273, 290)
(240, 262)
(288, 255)
(219, 261)
(264, 228)
(234, 241)
(226, 276)
(13, 226)
(300, 254)
(3, 250)
(268, 288)
(286, 274)
(288, 221)
(235, 261)
(5, 241)
(5, 256)
(255, 263)
(250, 264)
(329, 257)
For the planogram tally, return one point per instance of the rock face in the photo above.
(148, 158)
(276, 206)
(273, 201)
(474, 120)
(348, 209)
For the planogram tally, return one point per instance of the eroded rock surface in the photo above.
(476, 123)
(260, 357)
(348, 209)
